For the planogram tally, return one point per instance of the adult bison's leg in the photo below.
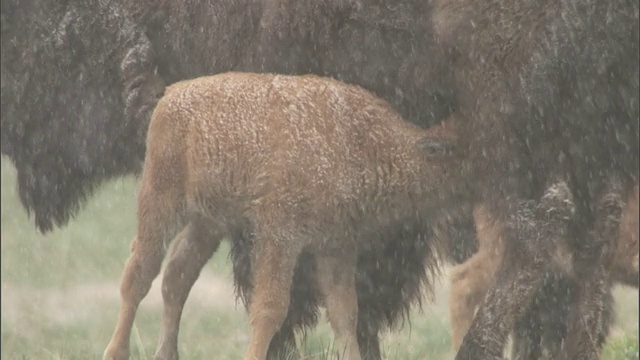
(625, 262)
(542, 329)
(283, 345)
(369, 292)
(529, 236)
(158, 222)
(527, 338)
(585, 322)
(368, 339)
(592, 270)
(516, 282)
(194, 247)
(608, 315)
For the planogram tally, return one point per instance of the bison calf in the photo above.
(296, 164)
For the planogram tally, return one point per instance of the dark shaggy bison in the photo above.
(548, 95)
(78, 82)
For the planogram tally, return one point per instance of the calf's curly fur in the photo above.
(292, 164)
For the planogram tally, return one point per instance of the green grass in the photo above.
(624, 348)
(60, 294)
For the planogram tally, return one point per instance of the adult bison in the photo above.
(548, 93)
(78, 80)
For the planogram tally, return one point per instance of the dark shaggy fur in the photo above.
(542, 330)
(388, 283)
(539, 334)
(548, 92)
(73, 80)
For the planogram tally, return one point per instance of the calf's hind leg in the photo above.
(193, 248)
(158, 221)
(273, 276)
(337, 278)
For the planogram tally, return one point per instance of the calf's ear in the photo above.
(437, 147)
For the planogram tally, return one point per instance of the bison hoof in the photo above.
(166, 352)
(114, 353)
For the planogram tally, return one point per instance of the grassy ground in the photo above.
(60, 294)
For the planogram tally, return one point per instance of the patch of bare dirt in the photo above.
(66, 306)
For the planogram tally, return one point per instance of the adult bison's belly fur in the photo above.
(389, 282)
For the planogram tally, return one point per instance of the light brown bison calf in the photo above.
(293, 163)
(471, 280)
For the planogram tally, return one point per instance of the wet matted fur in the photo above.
(548, 96)
(543, 328)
